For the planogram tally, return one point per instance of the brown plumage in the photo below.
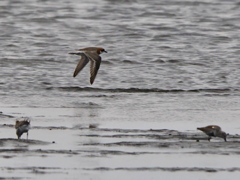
(213, 131)
(89, 54)
(22, 127)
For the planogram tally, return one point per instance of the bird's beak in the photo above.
(105, 51)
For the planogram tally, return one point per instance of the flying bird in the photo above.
(213, 131)
(91, 54)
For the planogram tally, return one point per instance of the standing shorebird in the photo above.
(89, 54)
(213, 131)
(22, 127)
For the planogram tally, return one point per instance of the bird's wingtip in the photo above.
(91, 80)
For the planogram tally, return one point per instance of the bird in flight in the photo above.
(91, 54)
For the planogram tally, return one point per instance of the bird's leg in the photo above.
(209, 138)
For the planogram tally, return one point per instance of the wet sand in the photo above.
(59, 148)
(171, 66)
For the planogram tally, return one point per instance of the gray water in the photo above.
(170, 65)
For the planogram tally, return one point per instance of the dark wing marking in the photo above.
(81, 64)
(94, 64)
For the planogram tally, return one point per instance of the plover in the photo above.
(213, 131)
(89, 54)
(22, 127)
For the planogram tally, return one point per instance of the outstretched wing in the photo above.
(94, 64)
(81, 64)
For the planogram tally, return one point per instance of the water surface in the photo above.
(171, 66)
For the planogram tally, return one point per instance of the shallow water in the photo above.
(171, 66)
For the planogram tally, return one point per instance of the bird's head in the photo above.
(224, 136)
(101, 50)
